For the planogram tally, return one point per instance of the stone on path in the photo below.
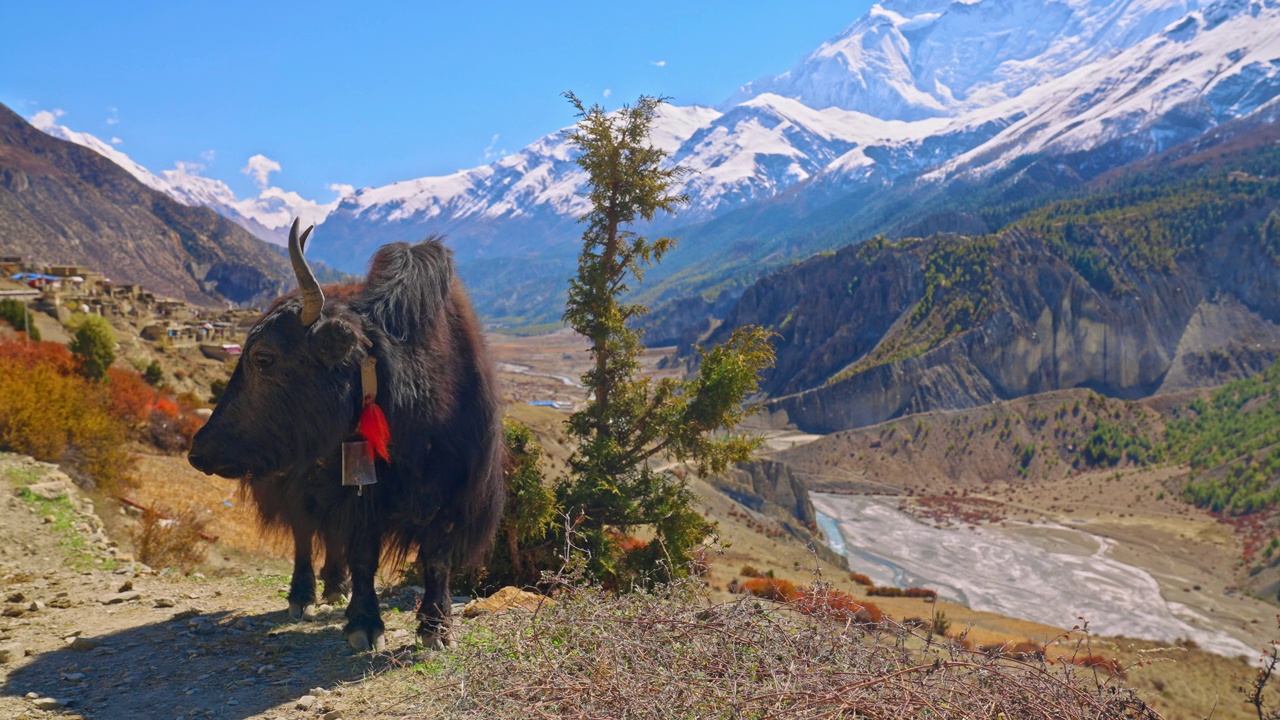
(10, 652)
(306, 702)
(114, 598)
(84, 644)
(507, 599)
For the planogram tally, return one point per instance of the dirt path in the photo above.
(86, 632)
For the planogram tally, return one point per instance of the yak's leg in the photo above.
(364, 623)
(435, 627)
(337, 583)
(302, 589)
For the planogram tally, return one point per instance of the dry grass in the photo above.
(172, 539)
(670, 654)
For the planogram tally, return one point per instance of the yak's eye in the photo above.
(263, 359)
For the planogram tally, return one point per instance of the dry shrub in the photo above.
(164, 538)
(170, 427)
(53, 414)
(1024, 650)
(670, 654)
(750, 571)
(775, 589)
(1097, 662)
(924, 593)
(835, 605)
(861, 579)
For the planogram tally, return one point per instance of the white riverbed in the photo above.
(1044, 573)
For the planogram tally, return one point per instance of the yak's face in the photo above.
(291, 401)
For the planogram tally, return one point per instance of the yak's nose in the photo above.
(200, 462)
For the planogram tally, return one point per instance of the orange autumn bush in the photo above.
(835, 605)
(775, 589)
(52, 413)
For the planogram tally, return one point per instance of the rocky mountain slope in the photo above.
(62, 202)
(1149, 285)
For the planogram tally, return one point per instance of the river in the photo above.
(1044, 573)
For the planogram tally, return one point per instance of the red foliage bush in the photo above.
(836, 605)
(924, 593)
(1095, 661)
(861, 579)
(131, 396)
(30, 355)
(775, 589)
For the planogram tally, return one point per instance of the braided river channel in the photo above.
(1045, 573)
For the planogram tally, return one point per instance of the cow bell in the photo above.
(357, 465)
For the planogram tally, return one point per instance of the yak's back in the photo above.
(408, 287)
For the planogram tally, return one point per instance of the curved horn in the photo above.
(312, 297)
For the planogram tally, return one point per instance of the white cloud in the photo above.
(342, 189)
(607, 92)
(491, 152)
(46, 119)
(113, 115)
(658, 63)
(116, 141)
(208, 156)
(188, 168)
(260, 168)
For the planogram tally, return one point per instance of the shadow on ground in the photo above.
(216, 665)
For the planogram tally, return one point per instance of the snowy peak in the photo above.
(909, 60)
(267, 216)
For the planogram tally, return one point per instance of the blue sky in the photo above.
(369, 93)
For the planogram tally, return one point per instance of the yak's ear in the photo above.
(333, 340)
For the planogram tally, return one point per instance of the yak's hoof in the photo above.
(440, 640)
(298, 611)
(359, 641)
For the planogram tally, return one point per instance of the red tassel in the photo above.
(374, 429)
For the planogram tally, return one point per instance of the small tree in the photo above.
(613, 490)
(94, 345)
(153, 374)
(16, 314)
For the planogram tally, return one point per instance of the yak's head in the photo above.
(295, 394)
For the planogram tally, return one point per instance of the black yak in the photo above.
(296, 396)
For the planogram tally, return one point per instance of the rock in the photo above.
(15, 597)
(46, 703)
(62, 602)
(120, 597)
(126, 587)
(332, 715)
(84, 644)
(14, 611)
(36, 606)
(186, 614)
(50, 490)
(306, 702)
(507, 599)
(48, 519)
(165, 602)
(11, 652)
(73, 676)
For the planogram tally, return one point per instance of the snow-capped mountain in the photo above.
(912, 59)
(923, 90)
(267, 216)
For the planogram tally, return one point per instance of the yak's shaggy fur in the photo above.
(296, 395)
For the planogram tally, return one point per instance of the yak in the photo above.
(296, 395)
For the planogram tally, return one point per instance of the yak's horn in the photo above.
(312, 297)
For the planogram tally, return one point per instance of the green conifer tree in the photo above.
(613, 490)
